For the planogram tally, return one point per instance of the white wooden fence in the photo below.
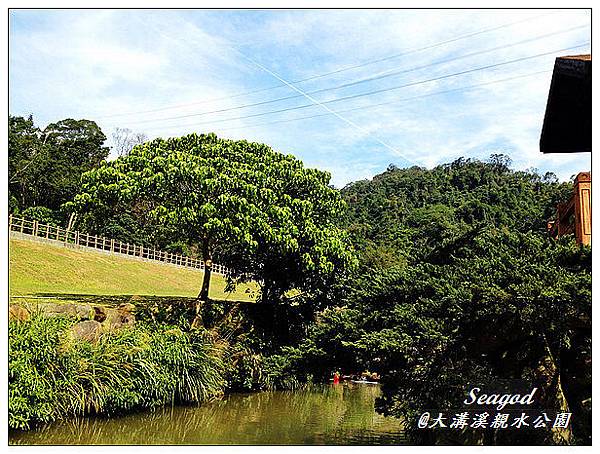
(27, 227)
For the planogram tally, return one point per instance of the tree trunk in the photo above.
(203, 296)
(552, 395)
(205, 284)
(207, 258)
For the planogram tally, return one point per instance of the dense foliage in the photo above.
(403, 214)
(52, 375)
(260, 212)
(459, 283)
(45, 165)
(502, 305)
(457, 280)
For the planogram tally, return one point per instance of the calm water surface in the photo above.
(321, 414)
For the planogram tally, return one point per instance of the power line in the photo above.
(396, 101)
(344, 119)
(336, 71)
(402, 54)
(359, 95)
(392, 72)
(357, 82)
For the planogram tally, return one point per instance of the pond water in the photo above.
(320, 414)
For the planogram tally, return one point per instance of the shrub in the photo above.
(178, 247)
(53, 375)
(41, 214)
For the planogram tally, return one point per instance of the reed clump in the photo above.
(53, 375)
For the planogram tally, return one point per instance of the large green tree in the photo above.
(258, 211)
(493, 304)
(45, 166)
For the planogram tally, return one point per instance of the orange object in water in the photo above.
(336, 378)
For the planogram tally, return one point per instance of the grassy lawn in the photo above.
(45, 268)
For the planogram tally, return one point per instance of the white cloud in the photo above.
(86, 64)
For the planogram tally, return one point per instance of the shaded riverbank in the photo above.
(317, 414)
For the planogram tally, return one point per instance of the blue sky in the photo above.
(137, 69)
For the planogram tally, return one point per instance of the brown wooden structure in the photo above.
(575, 215)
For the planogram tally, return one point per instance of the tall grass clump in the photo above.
(53, 375)
(250, 370)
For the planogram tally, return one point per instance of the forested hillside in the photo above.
(411, 211)
(460, 283)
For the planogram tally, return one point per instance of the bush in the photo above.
(53, 375)
(279, 372)
(248, 370)
(41, 214)
(37, 372)
(13, 204)
(178, 247)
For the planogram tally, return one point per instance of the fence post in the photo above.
(112, 245)
(22, 224)
(77, 238)
(10, 219)
(35, 228)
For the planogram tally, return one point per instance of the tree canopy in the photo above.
(260, 212)
(459, 283)
(45, 166)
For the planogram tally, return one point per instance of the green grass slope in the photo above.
(46, 268)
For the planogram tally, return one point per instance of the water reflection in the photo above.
(323, 414)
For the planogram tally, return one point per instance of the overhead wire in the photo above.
(396, 101)
(329, 73)
(337, 114)
(369, 93)
(353, 83)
